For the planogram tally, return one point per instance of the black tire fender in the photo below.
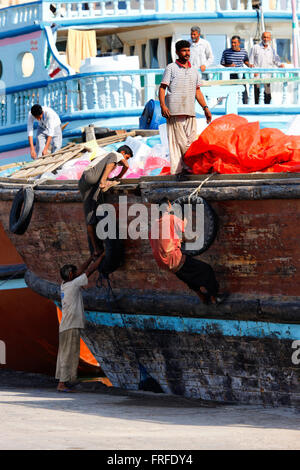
(210, 223)
(21, 211)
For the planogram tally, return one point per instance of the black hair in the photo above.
(126, 149)
(164, 200)
(36, 110)
(182, 45)
(236, 37)
(164, 205)
(66, 270)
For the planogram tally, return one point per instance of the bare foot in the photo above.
(109, 185)
(61, 387)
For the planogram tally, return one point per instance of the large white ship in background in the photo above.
(129, 43)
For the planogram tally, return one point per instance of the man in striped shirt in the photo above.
(178, 107)
(236, 56)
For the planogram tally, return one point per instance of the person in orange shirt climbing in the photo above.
(166, 238)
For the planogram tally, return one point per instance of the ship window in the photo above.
(1, 68)
(153, 53)
(284, 49)
(25, 62)
(169, 50)
(144, 62)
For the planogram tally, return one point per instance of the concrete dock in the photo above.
(35, 416)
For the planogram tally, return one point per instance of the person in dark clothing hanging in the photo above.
(165, 240)
(94, 181)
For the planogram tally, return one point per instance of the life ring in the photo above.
(210, 222)
(21, 211)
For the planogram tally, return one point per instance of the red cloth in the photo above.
(166, 242)
(230, 144)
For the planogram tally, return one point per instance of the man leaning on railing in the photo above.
(264, 56)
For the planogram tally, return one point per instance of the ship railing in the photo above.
(283, 84)
(78, 9)
(126, 92)
(81, 12)
(18, 17)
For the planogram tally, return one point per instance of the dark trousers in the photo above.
(267, 93)
(196, 274)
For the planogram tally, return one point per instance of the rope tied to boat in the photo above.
(198, 189)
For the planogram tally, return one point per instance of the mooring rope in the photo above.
(198, 189)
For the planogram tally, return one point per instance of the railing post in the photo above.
(240, 94)
(150, 87)
(121, 92)
(9, 109)
(142, 6)
(69, 10)
(285, 90)
(116, 7)
(261, 100)
(133, 92)
(107, 93)
(95, 93)
(251, 92)
(102, 7)
(83, 98)
(79, 10)
(71, 95)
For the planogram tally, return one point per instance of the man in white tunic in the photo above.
(49, 135)
(264, 56)
(178, 106)
(201, 52)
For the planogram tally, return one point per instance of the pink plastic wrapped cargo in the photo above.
(153, 163)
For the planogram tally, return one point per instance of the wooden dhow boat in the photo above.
(243, 351)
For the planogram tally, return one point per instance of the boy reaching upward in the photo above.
(72, 320)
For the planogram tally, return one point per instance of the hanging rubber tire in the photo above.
(21, 211)
(210, 223)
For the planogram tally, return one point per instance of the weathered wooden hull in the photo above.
(239, 352)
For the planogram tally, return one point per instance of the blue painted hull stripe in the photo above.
(20, 31)
(13, 284)
(197, 325)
